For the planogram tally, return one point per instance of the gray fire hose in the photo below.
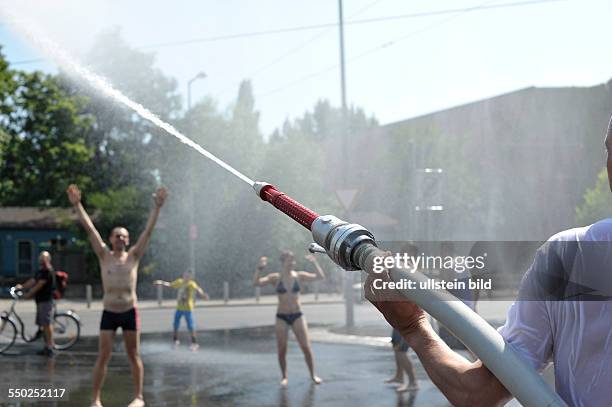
(353, 247)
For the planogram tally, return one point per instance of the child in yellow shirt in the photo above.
(187, 288)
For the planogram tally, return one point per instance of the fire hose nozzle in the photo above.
(258, 186)
(285, 204)
(340, 240)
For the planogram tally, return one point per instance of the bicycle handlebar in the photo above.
(16, 293)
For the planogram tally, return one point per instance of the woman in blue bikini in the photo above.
(288, 313)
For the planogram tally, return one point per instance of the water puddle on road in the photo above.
(232, 368)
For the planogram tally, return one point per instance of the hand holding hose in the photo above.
(402, 314)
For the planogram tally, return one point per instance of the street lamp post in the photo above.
(193, 231)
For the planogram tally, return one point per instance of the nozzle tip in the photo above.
(258, 186)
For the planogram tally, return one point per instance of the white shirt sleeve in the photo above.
(528, 330)
(528, 326)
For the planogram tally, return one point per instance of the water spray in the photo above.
(99, 83)
(349, 245)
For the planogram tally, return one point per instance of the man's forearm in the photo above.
(144, 238)
(28, 284)
(37, 287)
(464, 383)
(92, 233)
(152, 221)
(84, 218)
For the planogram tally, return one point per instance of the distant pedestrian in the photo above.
(186, 288)
(42, 286)
(402, 365)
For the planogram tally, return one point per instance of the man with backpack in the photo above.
(42, 287)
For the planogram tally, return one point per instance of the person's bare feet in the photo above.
(137, 402)
(407, 387)
(284, 382)
(394, 379)
(317, 380)
(96, 403)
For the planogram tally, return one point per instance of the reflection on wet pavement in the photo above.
(237, 367)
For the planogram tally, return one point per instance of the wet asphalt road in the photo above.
(233, 368)
(236, 366)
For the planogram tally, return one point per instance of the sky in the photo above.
(397, 68)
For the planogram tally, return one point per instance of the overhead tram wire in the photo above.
(322, 25)
(295, 49)
(354, 58)
(354, 22)
(303, 44)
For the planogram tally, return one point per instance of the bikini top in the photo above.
(280, 287)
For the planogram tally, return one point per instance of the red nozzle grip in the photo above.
(288, 206)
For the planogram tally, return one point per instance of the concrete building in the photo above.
(26, 231)
(514, 166)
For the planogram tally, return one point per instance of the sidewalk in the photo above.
(96, 304)
(328, 311)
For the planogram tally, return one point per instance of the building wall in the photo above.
(516, 166)
(528, 156)
(40, 240)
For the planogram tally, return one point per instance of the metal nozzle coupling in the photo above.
(340, 239)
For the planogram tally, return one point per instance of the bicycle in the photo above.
(66, 327)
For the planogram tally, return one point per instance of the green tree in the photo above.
(127, 148)
(43, 138)
(130, 153)
(6, 185)
(325, 122)
(597, 203)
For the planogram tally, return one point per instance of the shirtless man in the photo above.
(119, 269)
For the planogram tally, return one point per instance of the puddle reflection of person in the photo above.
(307, 400)
(289, 314)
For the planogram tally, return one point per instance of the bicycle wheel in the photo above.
(8, 334)
(66, 330)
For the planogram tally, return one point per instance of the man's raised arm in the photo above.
(97, 244)
(143, 241)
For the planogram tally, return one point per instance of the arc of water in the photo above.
(66, 61)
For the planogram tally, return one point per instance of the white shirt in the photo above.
(575, 335)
